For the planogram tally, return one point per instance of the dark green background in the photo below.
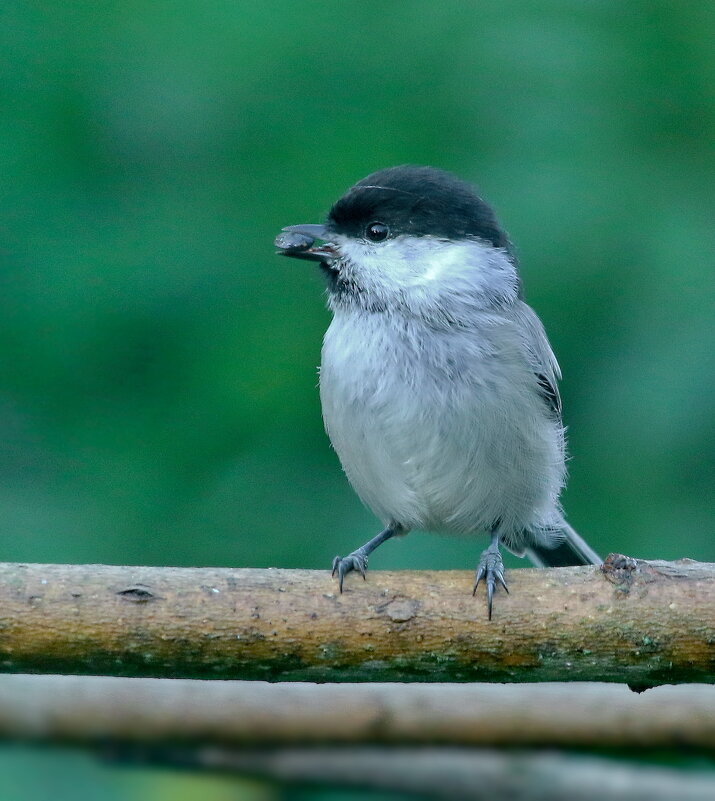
(158, 399)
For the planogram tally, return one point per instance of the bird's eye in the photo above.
(377, 231)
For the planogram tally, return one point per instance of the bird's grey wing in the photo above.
(539, 353)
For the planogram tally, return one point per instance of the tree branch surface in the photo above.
(463, 774)
(638, 622)
(97, 709)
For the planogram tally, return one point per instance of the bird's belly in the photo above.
(417, 472)
(381, 452)
(433, 455)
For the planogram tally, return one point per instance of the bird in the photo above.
(438, 385)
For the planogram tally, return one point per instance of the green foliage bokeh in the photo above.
(158, 399)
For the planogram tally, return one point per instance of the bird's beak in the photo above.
(298, 241)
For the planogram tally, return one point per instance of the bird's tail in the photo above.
(571, 549)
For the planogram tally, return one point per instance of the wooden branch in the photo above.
(95, 709)
(642, 623)
(425, 739)
(463, 774)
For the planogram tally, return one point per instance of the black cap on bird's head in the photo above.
(415, 201)
(407, 201)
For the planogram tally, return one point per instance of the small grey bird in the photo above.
(437, 382)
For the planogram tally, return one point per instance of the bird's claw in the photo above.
(491, 569)
(342, 565)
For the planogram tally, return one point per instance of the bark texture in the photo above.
(631, 621)
(463, 774)
(157, 712)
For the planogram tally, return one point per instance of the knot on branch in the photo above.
(399, 609)
(620, 570)
(138, 594)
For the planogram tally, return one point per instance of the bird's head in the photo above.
(409, 239)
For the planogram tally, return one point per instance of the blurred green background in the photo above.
(158, 399)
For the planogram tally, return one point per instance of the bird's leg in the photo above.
(491, 569)
(357, 560)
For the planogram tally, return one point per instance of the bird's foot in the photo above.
(491, 569)
(342, 565)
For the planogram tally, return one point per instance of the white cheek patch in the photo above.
(410, 260)
(427, 267)
(385, 264)
(442, 261)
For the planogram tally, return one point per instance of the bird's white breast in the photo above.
(439, 430)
